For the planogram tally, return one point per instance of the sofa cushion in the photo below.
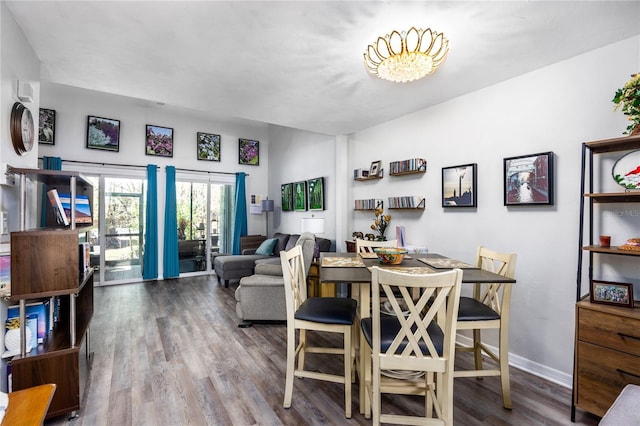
(292, 241)
(266, 248)
(282, 242)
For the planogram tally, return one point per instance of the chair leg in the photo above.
(291, 359)
(303, 347)
(347, 371)
(477, 349)
(504, 367)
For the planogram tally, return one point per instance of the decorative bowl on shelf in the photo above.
(390, 255)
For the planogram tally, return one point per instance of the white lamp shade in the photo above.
(313, 225)
(267, 205)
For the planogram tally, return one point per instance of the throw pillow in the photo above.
(266, 248)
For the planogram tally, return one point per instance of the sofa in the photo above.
(235, 267)
(260, 297)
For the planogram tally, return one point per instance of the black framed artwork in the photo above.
(159, 141)
(103, 133)
(459, 186)
(249, 152)
(315, 193)
(286, 191)
(47, 127)
(300, 196)
(528, 179)
(208, 146)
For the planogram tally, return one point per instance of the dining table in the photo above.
(355, 269)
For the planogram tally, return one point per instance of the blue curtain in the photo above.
(150, 259)
(171, 265)
(240, 219)
(48, 163)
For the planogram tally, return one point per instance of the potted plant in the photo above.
(627, 99)
(380, 224)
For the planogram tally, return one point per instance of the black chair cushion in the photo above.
(389, 329)
(472, 310)
(327, 310)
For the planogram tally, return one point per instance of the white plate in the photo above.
(626, 171)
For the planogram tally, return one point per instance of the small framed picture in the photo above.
(249, 152)
(286, 191)
(375, 168)
(159, 141)
(612, 293)
(208, 146)
(528, 180)
(315, 190)
(103, 133)
(300, 196)
(459, 184)
(47, 127)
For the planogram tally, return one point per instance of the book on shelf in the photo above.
(54, 199)
(40, 311)
(84, 256)
(83, 209)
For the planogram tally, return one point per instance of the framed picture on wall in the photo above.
(300, 196)
(459, 185)
(103, 133)
(208, 146)
(528, 179)
(315, 193)
(249, 152)
(47, 127)
(159, 141)
(286, 191)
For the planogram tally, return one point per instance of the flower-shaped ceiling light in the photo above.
(406, 56)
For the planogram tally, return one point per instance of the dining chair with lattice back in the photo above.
(411, 345)
(366, 246)
(489, 309)
(324, 314)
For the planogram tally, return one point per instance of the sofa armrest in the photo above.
(249, 251)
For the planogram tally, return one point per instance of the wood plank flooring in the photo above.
(171, 353)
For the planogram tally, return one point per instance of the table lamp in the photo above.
(267, 206)
(313, 225)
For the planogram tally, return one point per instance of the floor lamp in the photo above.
(267, 206)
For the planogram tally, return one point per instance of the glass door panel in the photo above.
(192, 226)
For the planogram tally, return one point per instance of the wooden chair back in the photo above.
(495, 295)
(366, 246)
(293, 272)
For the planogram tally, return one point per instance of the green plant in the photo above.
(627, 100)
(380, 223)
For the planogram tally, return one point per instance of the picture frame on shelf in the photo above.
(300, 196)
(159, 141)
(459, 186)
(208, 146)
(103, 133)
(248, 152)
(47, 127)
(375, 168)
(528, 180)
(286, 191)
(612, 293)
(315, 193)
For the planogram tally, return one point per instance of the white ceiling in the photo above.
(299, 64)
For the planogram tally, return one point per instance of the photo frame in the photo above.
(103, 133)
(300, 196)
(528, 180)
(375, 168)
(47, 127)
(286, 191)
(208, 146)
(159, 141)
(459, 186)
(315, 193)
(248, 152)
(612, 293)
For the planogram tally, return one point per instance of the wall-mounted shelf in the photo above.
(406, 202)
(408, 167)
(368, 205)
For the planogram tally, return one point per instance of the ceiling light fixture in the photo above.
(406, 56)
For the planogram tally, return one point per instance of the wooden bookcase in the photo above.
(45, 265)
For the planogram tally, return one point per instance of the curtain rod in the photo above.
(144, 167)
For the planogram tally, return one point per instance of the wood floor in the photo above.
(170, 353)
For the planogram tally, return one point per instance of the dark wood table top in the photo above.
(363, 275)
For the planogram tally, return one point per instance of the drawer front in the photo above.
(611, 331)
(601, 375)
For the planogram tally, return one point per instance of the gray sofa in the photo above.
(235, 267)
(260, 297)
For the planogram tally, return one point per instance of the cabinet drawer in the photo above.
(601, 375)
(611, 331)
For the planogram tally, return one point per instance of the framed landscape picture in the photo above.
(528, 179)
(208, 146)
(459, 185)
(249, 152)
(300, 196)
(47, 127)
(315, 191)
(287, 197)
(159, 141)
(103, 133)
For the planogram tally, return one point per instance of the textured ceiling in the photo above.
(299, 64)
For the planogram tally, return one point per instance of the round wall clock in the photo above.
(22, 134)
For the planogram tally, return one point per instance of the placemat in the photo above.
(447, 263)
(342, 262)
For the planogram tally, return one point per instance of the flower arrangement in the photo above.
(627, 100)
(380, 223)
